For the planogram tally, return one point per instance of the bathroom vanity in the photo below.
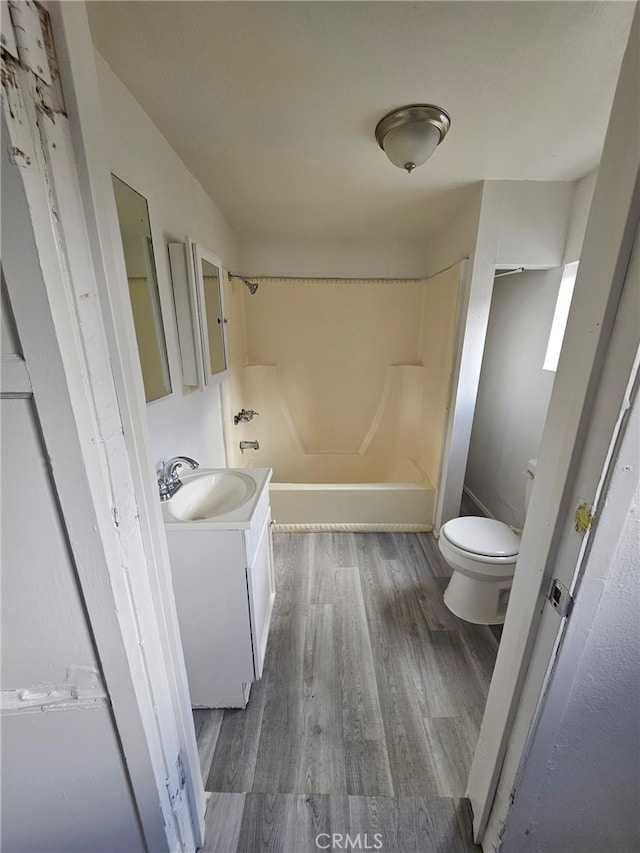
(223, 579)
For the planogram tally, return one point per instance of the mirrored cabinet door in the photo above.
(198, 297)
(135, 230)
(209, 275)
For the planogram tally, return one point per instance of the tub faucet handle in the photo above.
(244, 416)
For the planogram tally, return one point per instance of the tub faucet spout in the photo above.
(249, 445)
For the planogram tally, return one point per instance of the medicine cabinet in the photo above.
(198, 295)
(135, 230)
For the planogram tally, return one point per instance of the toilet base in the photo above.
(479, 601)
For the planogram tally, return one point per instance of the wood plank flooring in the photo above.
(368, 711)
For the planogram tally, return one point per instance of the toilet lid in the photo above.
(484, 536)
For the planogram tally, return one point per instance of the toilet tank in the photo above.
(532, 466)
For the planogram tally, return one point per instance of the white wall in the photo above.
(456, 238)
(187, 422)
(533, 218)
(529, 221)
(514, 392)
(530, 217)
(339, 257)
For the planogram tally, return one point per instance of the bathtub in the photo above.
(405, 505)
(351, 383)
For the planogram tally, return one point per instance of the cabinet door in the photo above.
(211, 601)
(262, 592)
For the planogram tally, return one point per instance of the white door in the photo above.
(57, 725)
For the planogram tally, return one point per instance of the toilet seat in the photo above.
(484, 539)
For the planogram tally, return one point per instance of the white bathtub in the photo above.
(392, 506)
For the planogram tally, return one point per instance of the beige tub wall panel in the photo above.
(433, 421)
(395, 429)
(392, 436)
(280, 447)
(437, 347)
(332, 341)
(409, 471)
(280, 444)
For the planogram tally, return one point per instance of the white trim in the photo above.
(356, 527)
(85, 691)
(196, 255)
(473, 318)
(486, 512)
(186, 314)
(15, 377)
(77, 69)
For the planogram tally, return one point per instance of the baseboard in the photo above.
(355, 527)
(477, 502)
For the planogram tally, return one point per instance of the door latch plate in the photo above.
(560, 598)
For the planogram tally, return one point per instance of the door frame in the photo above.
(587, 399)
(78, 338)
(78, 74)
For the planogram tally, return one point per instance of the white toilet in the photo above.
(482, 553)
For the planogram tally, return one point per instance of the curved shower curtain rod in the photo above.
(252, 285)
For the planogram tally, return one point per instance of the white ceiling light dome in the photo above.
(409, 135)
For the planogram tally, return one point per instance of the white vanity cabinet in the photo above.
(224, 585)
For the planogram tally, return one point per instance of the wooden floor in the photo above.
(368, 711)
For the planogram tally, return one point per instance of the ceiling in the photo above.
(273, 105)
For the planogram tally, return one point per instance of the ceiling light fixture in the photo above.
(409, 135)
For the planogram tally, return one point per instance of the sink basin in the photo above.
(210, 494)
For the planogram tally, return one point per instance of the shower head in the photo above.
(252, 285)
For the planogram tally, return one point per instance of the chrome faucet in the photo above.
(168, 480)
(249, 445)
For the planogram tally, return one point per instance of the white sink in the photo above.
(206, 495)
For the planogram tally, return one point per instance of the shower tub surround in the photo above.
(352, 381)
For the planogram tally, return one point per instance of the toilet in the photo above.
(482, 553)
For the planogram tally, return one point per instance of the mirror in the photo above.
(197, 291)
(213, 321)
(135, 230)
